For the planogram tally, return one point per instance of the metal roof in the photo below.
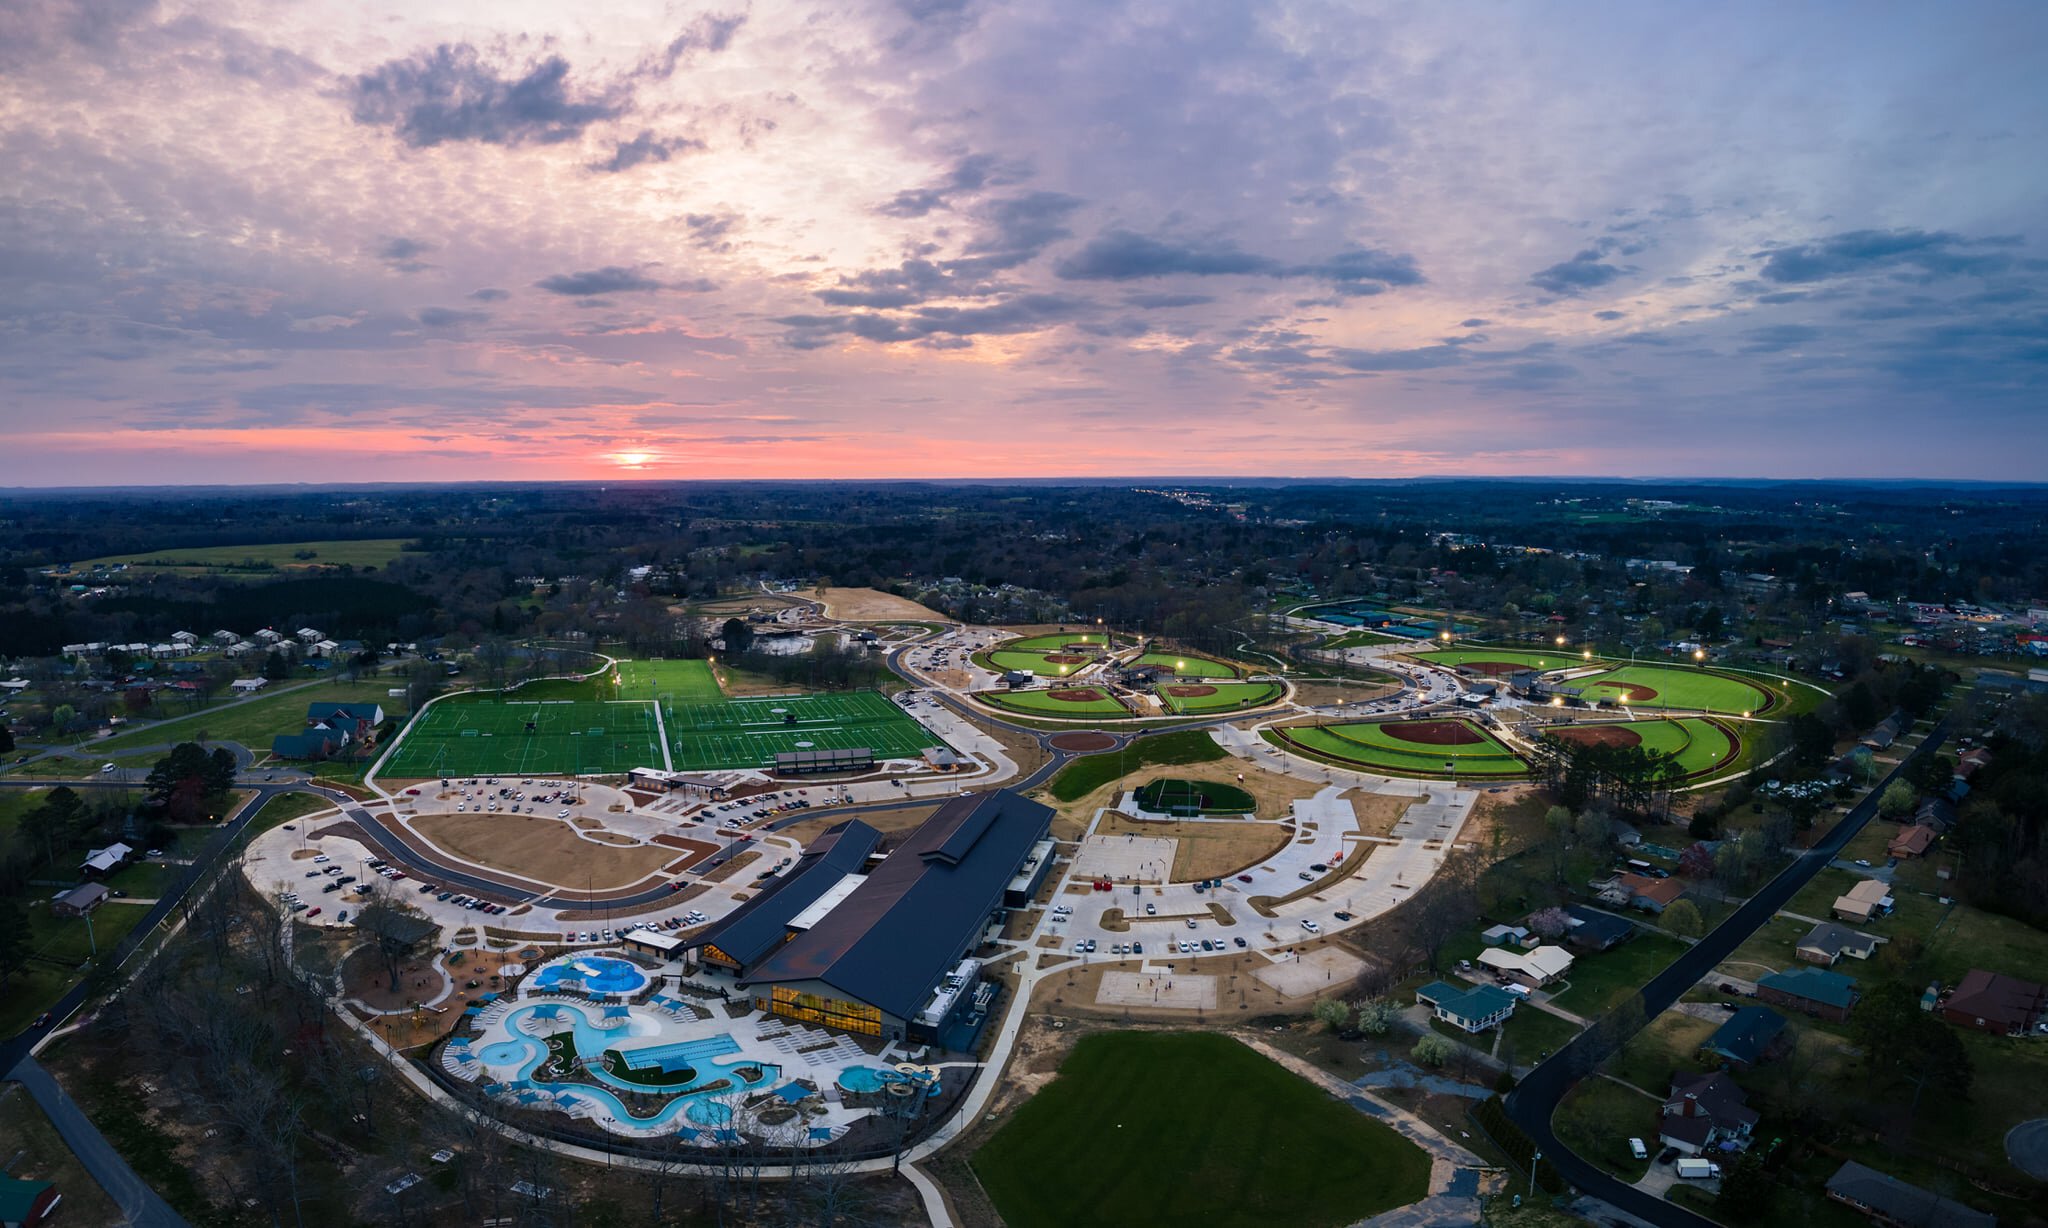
(757, 927)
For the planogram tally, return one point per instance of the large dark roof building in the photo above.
(754, 930)
(886, 954)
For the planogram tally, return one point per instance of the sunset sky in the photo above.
(261, 241)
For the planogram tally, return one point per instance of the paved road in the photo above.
(141, 1205)
(1533, 1102)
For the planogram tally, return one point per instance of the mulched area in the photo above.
(1083, 743)
(1434, 733)
(1076, 695)
(1190, 692)
(1599, 735)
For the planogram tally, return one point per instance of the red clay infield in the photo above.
(1190, 692)
(1600, 735)
(1064, 658)
(1434, 733)
(1076, 694)
(1082, 743)
(1632, 692)
(1493, 669)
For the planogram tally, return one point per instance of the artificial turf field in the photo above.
(751, 732)
(682, 682)
(1371, 746)
(1228, 696)
(568, 738)
(1037, 662)
(1172, 795)
(1191, 1128)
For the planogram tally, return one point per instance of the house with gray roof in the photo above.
(1890, 1201)
(1749, 1036)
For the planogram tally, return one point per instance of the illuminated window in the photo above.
(832, 1012)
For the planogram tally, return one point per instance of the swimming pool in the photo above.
(596, 973)
(870, 1079)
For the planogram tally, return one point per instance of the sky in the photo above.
(340, 240)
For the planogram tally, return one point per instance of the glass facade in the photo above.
(832, 1012)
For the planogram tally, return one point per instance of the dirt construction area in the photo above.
(868, 605)
(1162, 990)
(1312, 973)
(545, 850)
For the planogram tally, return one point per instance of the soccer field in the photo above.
(683, 682)
(525, 739)
(749, 733)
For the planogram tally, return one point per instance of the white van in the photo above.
(1636, 1149)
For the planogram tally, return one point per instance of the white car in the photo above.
(1311, 926)
(563, 813)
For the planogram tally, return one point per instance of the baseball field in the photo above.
(1404, 748)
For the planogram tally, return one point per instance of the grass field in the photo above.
(1090, 772)
(370, 552)
(1168, 795)
(1171, 1128)
(1675, 687)
(1369, 746)
(1702, 745)
(1186, 665)
(1358, 639)
(682, 682)
(252, 722)
(57, 946)
(1598, 982)
(1041, 703)
(751, 732)
(1228, 697)
(1060, 641)
(1038, 663)
(1536, 660)
(524, 738)
(1597, 1118)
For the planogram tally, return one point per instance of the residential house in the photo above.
(2000, 1005)
(1812, 991)
(26, 1204)
(248, 686)
(1535, 968)
(101, 862)
(308, 635)
(186, 638)
(1866, 900)
(1469, 1008)
(330, 729)
(1890, 1201)
(1509, 936)
(1936, 812)
(1885, 732)
(1593, 930)
(1827, 943)
(1751, 1035)
(225, 636)
(1911, 841)
(1704, 1111)
(269, 637)
(1642, 892)
(79, 900)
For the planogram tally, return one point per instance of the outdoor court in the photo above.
(1183, 991)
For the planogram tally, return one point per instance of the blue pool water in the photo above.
(869, 1079)
(598, 973)
(524, 1055)
(708, 1112)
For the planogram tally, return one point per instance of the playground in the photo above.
(1403, 748)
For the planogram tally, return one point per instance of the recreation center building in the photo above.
(884, 947)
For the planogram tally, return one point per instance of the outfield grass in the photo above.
(1702, 746)
(369, 552)
(1089, 773)
(1171, 1128)
(1187, 665)
(1042, 703)
(1676, 687)
(1366, 745)
(1357, 639)
(1536, 660)
(1003, 659)
(1229, 697)
(1096, 641)
(682, 682)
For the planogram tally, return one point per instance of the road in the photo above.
(1532, 1103)
(141, 1206)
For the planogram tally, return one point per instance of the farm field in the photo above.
(683, 682)
(562, 737)
(1404, 747)
(1187, 665)
(1082, 701)
(369, 552)
(1317, 1160)
(1182, 699)
(751, 732)
(1702, 745)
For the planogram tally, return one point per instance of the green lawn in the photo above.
(144, 880)
(1208, 797)
(1042, 703)
(58, 945)
(682, 682)
(1701, 745)
(1187, 665)
(1600, 981)
(1229, 696)
(1669, 1043)
(1174, 1128)
(1597, 1118)
(1090, 642)
(1090, 772)
(253, 723)
(1039, 663)
(1537, 1032)
(369, 552)
(1674, 687)
(1358, 639)
(1376, 746)
(44, 1156)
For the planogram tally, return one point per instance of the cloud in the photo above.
(708, 230)
(643, 148)
(1014, 229)
(490, 294)
(711, 32)
(1583, 272)
(1155, 302)
(970, 174)
(1609, 315)
(611, 279)
(1474, 322)
(1423, 358)
(1936, 253)
(1123, 255)
(449, 317)
(450, 94)
(1773, 338)
(403, 254)
(1023, 313)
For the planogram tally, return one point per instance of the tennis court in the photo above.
(568, 737)
(749, 733)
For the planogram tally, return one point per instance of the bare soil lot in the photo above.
(541, 848)
(1205, 849)
(869, 605)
